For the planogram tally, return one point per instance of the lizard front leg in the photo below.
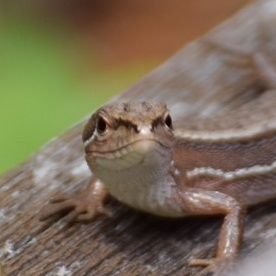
(203, 202)
(83, 207)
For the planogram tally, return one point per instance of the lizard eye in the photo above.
(168, 121)
(101, 125)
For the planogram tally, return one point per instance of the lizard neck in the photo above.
(243, 148)
(147, 186)
(230, 164)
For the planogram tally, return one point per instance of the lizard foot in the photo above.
(212, 266)
(75, 208)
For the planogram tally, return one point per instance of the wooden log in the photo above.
(207, 82)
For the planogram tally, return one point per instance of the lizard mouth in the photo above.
(143, 152)
(140, 147)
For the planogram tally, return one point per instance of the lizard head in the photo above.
(119, 136)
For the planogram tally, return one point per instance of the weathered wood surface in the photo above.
(206, 82)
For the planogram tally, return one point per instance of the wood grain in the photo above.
(131, 243)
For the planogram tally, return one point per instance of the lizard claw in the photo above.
(91, 214)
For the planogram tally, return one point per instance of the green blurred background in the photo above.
(42, 93)
(62, 59)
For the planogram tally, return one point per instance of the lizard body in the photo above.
(152, 162)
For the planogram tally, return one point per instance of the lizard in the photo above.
(146, 160)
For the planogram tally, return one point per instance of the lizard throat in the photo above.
(140, 178)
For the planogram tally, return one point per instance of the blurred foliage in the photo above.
(42, 92)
